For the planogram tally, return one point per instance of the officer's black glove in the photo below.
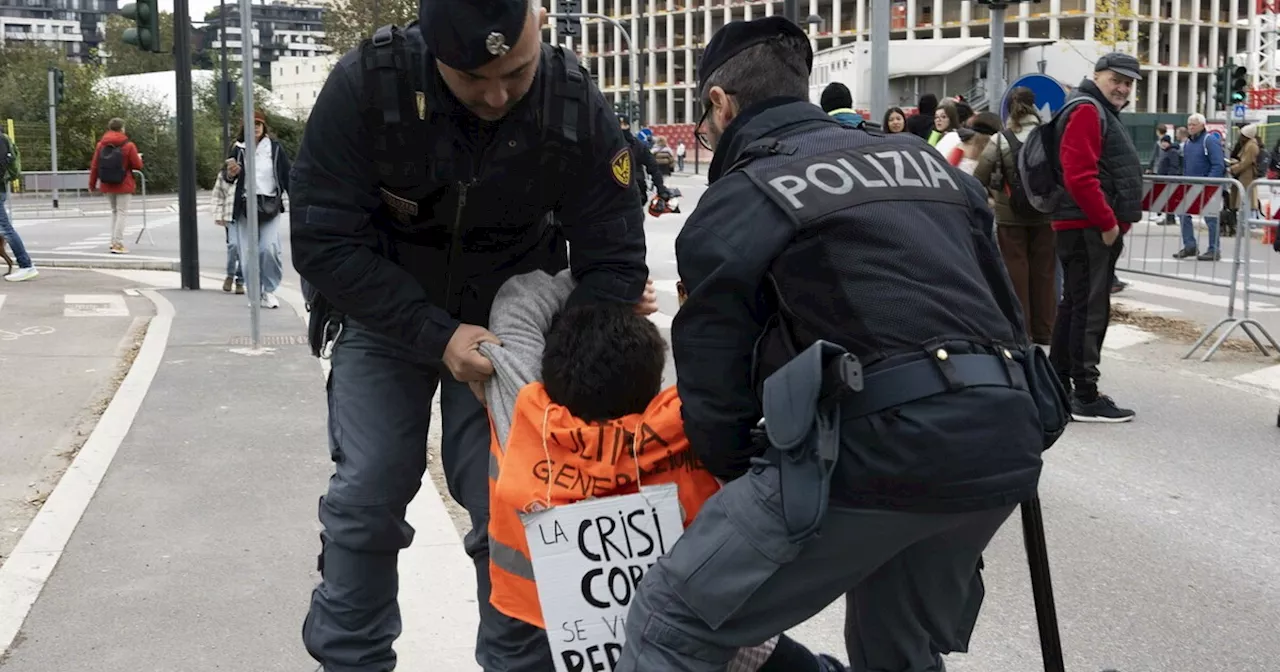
(664, 192)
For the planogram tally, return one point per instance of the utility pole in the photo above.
(995, 64)
(249, 257)
(54, 75)
(879, 58)
(224, 88)
(188, 239)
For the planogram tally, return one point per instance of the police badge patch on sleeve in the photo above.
(620, 166)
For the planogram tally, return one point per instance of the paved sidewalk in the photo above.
(198, 550)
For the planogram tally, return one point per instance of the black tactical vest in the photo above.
(465, 209)
(1119, 169)
(893, 259)
(885, 259)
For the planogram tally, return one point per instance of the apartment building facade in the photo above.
(77, 27)
(280, 30)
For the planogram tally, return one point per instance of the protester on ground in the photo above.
(1027, 241)
(900, 279)
(223, 215)
(11, 170)
(568, 384)
(1202, 156)
(271, 168)
(111, 171)
(1102, 181)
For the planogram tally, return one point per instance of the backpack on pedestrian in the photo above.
(1012, 183)
(111, 168)
(10, 160)
(1038, 164)
(1263, 163)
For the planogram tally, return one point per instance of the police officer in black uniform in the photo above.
(844, 286)
(438, 162)
(641, 157)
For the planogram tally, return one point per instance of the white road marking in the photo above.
(1197, 296)
(1268, 377)
(25, 572)
(1120, 336)
(94, 305)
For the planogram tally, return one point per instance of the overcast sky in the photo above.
(198, 8)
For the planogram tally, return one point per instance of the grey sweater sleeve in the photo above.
(521, 316)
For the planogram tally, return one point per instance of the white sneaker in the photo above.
(22, 274)
(269, 300)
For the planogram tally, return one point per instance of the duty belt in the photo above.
(806, 399)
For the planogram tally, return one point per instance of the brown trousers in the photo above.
(1031, 258)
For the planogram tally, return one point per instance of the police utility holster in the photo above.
(802, 425)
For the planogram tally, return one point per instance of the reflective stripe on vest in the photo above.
(586, 460)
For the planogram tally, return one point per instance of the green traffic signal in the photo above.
(145, 34)
(1238, 83)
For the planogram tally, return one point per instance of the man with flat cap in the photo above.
(1102, 197)
(439, 161)
(844, 287)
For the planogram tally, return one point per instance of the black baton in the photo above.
(1041, 585)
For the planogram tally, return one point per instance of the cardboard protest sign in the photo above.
(588, 559)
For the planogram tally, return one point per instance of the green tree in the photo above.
(347, 22)
(88, 106)
(1111, 24)
(126, 59)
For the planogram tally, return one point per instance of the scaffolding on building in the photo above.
(1265, 93)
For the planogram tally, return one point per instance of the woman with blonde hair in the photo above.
(1026, 239)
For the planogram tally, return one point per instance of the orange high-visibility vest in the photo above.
(586, 460)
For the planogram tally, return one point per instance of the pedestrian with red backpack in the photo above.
(111, 172)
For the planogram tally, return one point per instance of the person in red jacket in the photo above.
(1102, 181)
(114, 161)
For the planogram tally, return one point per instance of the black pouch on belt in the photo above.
(802, 421)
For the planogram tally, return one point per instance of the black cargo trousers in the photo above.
(911, 581)
(1084, 312)
(379, 393)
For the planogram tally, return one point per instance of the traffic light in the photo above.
(1238, 83)
(59, 85)
(145, 34)
(1221, 87)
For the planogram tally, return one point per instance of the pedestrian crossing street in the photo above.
(72, 305)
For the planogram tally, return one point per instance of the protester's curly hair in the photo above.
(603, 362)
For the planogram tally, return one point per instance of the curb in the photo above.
(111, 264)
(25, 572)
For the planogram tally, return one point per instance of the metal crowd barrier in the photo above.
(74, 198)
(1186, 197)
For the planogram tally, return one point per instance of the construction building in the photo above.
(942, 46)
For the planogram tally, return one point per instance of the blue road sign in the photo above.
(1238, 112)
(1051, 95)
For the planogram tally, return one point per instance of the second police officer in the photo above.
(438, 162)
(845, 287)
